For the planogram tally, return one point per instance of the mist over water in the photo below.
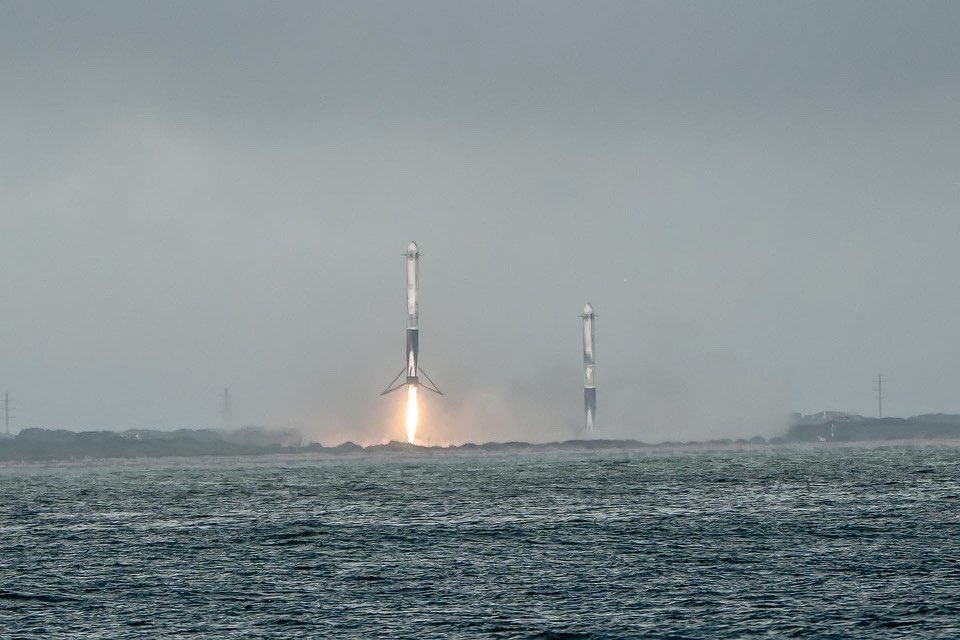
(851, 542)
(701, 397)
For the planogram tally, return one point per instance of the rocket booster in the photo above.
(589, 363)
(413, 313)
(411, 369)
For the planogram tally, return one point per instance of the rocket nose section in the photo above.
(588, 309)
(412, 249)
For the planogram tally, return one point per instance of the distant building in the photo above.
(825, 417)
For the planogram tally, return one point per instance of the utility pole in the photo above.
(6, 411)
(225, 411)
(880, 395)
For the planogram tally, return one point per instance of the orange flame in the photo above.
(413, 414)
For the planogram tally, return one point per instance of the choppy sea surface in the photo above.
(814, 542)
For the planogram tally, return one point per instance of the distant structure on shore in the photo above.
(226, 411)
(880, 395)
(6, 413)
(589, 363)
(838, 426)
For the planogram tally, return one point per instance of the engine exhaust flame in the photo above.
(413, 413)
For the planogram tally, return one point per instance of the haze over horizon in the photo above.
(760, 200)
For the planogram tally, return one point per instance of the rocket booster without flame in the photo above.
(589, 364)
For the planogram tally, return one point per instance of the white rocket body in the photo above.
(589, 368)
(411, 371)
(413, 313)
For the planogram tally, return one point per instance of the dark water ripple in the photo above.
(810, 543)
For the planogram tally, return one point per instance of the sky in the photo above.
(761, 200)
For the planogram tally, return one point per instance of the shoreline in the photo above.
(402, 451)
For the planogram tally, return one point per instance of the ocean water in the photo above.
(815, 542)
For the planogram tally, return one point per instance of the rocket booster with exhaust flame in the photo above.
(413, 312)
(412, 352)
(589, 362)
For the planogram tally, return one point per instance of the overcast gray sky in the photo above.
(762, 201)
